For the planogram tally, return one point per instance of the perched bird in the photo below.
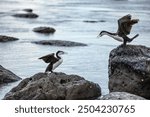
(53, 60)
(124, 28)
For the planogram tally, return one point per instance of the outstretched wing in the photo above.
(123, 28)
(125, 25)
(50, 58)
(129, 25)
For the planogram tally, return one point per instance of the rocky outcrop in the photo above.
(121, 96)
(26, 15)
(7, 76)
(93, 21)
(28, 10)
(129, 70)
(46, 30)
(59, 43)
(55, 86)
(4, 38)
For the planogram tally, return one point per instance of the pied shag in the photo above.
(124, 28)
(53, 60)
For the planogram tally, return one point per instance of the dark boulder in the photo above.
(26, 15)
(28, 10)
(7, 76)
(59, 43)
(55, 86)
(129, 70)
(121, 96)
(46, 30)
(93, 21)
(7, 38)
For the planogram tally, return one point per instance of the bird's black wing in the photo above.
(125, 25)
(50, 58)
(129, 25)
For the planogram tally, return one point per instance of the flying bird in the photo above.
(53, 59)
(124, 28)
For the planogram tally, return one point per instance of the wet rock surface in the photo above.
(26, 15)
(59, 43)
(129, 70)
(93, 21)
(121, 96)
(28, 10)
(47, 30)
(4, 38)
(55, 86)
(7, 76)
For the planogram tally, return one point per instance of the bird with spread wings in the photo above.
(125, 24)
(53, 59)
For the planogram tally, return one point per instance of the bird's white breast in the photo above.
(57, 63)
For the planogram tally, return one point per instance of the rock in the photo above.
(7, 76)
(28, 10)
(59, 43)
(121, 96)
(55, 86)
(93, 21)
(46, 30)
(129, 70)
(7, 38)
(26, 15)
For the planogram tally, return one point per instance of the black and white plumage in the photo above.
(124, 28)
(53, 60)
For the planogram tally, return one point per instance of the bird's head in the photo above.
(102, 33)
(60, 52)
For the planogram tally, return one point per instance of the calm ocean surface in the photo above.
(67, 17)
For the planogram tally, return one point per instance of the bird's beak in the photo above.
(98, 35)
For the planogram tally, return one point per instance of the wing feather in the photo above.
(123, 28)
(125, 24)
(50, 58)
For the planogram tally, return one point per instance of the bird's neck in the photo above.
(113, 35)
(59, 57)
(109, 33)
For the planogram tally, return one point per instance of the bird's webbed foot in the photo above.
(51, 72)
(55, 73)
(47, 73)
